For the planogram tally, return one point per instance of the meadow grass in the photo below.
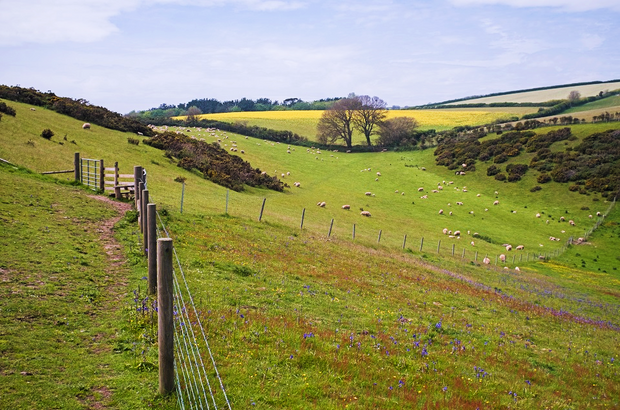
(299, 320)
(68, 337)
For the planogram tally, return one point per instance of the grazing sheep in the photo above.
(472, 243)
(365, 213)
(439, 187)
(368, 193)
(321, 204)
(402, 193)
(441, 212)
(517, 269)
(346, 206)
(445, 231)
(420, 189)
(562, 219)
(509, 247)
(297, 184)
(86, 126)
(496, 203)
(424, 197)
(434, 191)
(537, 215)
(571, 222)
(478, 195)
(396, 191)
(457, 233)
(423, 169)
(502, 258)
(520, 247)
(590, 216)
(378, 174)
(459, 203)
(450, 213)
(598, 214)
(486, 260)
(471, 212)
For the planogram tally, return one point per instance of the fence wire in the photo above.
(196, 388)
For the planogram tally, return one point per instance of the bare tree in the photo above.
(574, 96)
(192, 114)
(337, 122)
(397, 131)
(372, 111)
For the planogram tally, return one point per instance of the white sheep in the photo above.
(457, 233)
(346, 206)
(537, 215)
(520, 247)
(496, 203)
(445, 231)
(297, 184)
(365, 213)
(441, 212)
(508, 247)
(571, 222)
(378, 174)
(420, 189)
(486, 260)
(368, 193)
(502, 258)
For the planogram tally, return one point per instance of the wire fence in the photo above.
(198, 382)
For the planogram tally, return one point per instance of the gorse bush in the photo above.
(8, 110)
(47, 134)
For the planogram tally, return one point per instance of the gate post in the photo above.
(76, 167)
(152, 248)
(101, 176)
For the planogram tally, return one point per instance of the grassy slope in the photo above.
(61, 305)
(350, 289)
(545, 95)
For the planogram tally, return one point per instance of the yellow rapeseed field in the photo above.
(304, 122)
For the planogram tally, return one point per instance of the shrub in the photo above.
(500, 177)
(543, 178)
(573, 188)
(47, 134)
(8, 110)
(134, 141)
(499, 159)
(514, 177)
(493, 170)
(585, 208)
(536, 188)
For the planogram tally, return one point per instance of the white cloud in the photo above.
(591, 41)
(568, 5)
(85, 21)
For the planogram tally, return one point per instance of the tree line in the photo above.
(212, 106)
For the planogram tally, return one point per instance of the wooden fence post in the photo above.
(151, 212)
(262, 208)
(331, 225)
(463, 255)
(438, 245)
(165, 318)
(145, 201)
(404, 241)
(476, 257)
(101, 176)
(379, 237)
(421, 244)
(182, 195)
(137, 177)
(453, 245)
(303, 213)
(76, 167)
(353, 231)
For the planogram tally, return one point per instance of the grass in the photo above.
(560, 93)
(61, 305)
(299, 320)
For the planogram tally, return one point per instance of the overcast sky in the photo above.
(136, 54)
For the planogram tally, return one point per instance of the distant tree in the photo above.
(337, 122)
(396, 131)
(371, 112)
(192, 114)
(574, 96)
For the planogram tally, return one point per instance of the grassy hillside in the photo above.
(67, 338)
(298, 320)
(560, 93)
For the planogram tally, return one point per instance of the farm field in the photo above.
(560, 93)
(300, 320)
(304, 122)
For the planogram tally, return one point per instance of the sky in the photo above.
(137, 54)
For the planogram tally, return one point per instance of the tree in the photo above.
(396, 131)
(372, 112)
(337, 122)
(574, 96)
(192, 113)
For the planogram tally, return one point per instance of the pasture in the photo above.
(300, 320)
(560, 93)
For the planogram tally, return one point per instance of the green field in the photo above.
(299, 320)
